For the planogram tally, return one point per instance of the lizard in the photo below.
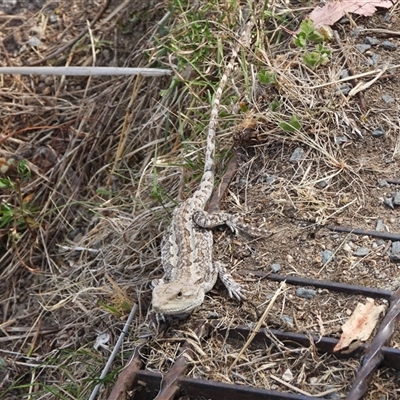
(187, 244)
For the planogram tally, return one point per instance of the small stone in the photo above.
(388, 45)
(323, 184)
(344, 20)
(387, 17)
(287, 320)
(373, 60)
(395, 253)
(361, 252)
(371, 40)
(49, 80)
(340, 140)
(297, 155)
(269, 179)
(347, 248)
(53, 18)
(378, 132)
(327, 256)
(344, 74)
(345, 89)
(383, 183)
(305, 293)
(362, 48)
(213, 315)
(396, 199)
(387, 99)
(34, 41)
(390, 69)
(290, 258)
(380, 226)
(275, 268)
(356, 31)
(389, 202)
(287, 376)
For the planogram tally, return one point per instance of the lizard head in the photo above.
(177, 298)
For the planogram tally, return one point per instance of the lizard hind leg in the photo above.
(235, 224)
(234, 289)
(207, 220)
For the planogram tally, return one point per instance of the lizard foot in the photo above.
(234, 289)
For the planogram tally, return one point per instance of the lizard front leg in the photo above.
(234, 289)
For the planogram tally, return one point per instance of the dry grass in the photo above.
(111, 157)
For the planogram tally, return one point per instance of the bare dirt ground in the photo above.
(111, 157)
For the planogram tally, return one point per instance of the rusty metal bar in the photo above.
(171, 383)
(333, 286)
(149, 385)
(393, 181)
(146, 386)
(126, 378)
(391, 356)
(395, 237)
(225, 391)
(149, 382)
(374, 354)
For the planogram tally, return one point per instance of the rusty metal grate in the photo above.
(144, 384)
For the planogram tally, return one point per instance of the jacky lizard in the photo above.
(186, 252)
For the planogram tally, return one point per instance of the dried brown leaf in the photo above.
(334, 10)
(360, 324)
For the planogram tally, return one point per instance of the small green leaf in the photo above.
(23, 170)
(6, 183)
(266, 77)
(311, 59)
(274, 105)
(316, 37)
(321, 49)
(307, 27)
(300, 40)
(291, 126)
(317, 58)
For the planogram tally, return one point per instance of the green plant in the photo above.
(16, 212)
(308, 33)
(266, 77)
(274, 105)
(291, 126)
(317, 58)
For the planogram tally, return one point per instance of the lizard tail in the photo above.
(207, 181)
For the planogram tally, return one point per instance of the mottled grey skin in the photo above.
(186, 253)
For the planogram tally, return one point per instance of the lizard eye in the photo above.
(179, 295)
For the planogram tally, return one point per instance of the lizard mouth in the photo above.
(174, 309)
(179, 314)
